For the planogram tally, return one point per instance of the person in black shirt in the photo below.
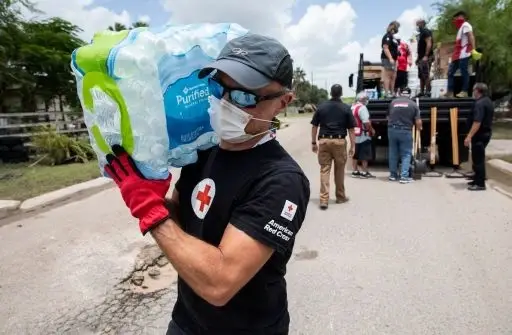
(230, 227)
(425, 56)
(335, 120)
(403, 115)
(389, 56)
(479, 134)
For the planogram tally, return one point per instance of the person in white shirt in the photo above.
(464, 46)
(364, 132)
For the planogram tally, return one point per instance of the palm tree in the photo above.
(117, 27)
(120, 27)
(139, 24)
(299, 76)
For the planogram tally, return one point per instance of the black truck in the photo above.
(378, 114)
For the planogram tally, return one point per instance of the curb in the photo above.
(500, 172)
(12, 207)
(8, 207)
(501, 165)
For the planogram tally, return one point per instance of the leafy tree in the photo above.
(35, 56)
(139, 24)
(45, 55)
(119, 26)
(305, 92)
(11, 33)
(299, 76)
(491, 24)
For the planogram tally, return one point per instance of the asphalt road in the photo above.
(424, 258)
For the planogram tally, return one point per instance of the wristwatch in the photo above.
(313, 143)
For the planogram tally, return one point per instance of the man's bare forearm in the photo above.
(472, 40)
(474, 128)
(428, 47)
(198, 263)
(352, 136)
(419, 124)
(314, 133)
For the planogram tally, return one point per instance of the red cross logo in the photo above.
(290, 208)
(204, 198)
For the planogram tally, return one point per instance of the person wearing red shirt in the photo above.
(403, 61)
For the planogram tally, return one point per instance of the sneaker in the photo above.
(462, 95)
(476, 188)
(406, 180)
(367, 175)
(356, 174)
(392, 178)
(323, 206)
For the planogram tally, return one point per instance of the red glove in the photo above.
(144, 197)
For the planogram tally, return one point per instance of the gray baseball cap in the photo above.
(253, 61)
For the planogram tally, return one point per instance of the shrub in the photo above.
(276, 123)
(58, 149)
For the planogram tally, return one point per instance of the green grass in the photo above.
(506, 158)
(502, 130)
(20, 182)
(294, 115)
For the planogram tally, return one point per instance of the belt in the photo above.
(395, 126)
(332, 136)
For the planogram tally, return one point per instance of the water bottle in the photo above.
(139, 88)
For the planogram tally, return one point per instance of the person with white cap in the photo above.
(364, 132)
(230, 227)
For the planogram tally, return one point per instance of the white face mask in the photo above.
(229, 121)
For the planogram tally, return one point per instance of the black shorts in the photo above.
(424, 69)
(363, 151)
(401, 80)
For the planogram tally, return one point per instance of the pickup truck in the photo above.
(369, 78)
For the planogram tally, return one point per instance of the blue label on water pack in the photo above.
(186, 105)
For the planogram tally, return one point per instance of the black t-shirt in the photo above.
(392, 43)
(403, 112)
(422, 43)
(483, 112)
(263, 192)
(334, 118)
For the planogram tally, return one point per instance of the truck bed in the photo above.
(378, 108)
(378, 115)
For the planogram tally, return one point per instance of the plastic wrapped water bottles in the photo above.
(139, 88)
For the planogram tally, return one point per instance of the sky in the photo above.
(323, 37)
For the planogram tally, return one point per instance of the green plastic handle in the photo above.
(92, 60)
(109, 87)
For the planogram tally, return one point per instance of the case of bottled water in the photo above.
(139, 88)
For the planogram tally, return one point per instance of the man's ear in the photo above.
(285, 100)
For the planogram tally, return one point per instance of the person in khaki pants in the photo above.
(335, 120)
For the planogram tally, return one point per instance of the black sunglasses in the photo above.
(238, 96)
